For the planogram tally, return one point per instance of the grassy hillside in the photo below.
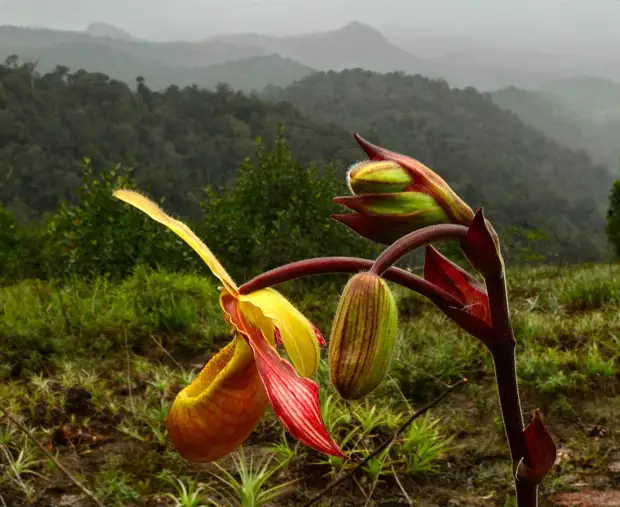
(488, 155)
(91, 369)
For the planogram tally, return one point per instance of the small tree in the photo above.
(277, 211)
(613, 218)
(97, 237)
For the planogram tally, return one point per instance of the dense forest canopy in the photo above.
(177, 141)
(182, 139)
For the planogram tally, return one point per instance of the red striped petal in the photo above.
(295, 399)
(277, 336)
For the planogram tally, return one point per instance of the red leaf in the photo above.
(541, 449)
(457, 282)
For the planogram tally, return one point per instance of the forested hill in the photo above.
(582, 113)
(178, 140)
(490, 157)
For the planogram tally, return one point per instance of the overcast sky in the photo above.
(518, 22)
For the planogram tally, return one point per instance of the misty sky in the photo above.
(526, 23)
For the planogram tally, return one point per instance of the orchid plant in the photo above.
(396, 200)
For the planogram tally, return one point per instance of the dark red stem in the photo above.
(327, 265)
(413, 240)
(503, 351)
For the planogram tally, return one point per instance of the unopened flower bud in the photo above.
(395, 195)
(381, 177)
(363, 336)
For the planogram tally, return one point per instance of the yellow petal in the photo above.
(183, 231)
(297, 333)
(217, 412)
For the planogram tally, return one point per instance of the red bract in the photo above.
(541, 450)
(474, 315)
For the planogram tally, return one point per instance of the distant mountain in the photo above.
(488, 155)
(248, 74)
(485, 65)
(188, 54)
(353, 46)
(156, 63)
(109, 31)
(583, 113)
(598, 98)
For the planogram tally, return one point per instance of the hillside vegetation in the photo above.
(579, 113)
(176, 141)
(489, 156)
(182, 139)
(106, 360)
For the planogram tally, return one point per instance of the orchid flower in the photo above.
(217, 412)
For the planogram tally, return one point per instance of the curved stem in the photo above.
(331, 265)
(414, 240)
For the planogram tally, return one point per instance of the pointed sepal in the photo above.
(481, 247)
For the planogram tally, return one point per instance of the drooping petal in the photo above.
(294, 399)
(217, 412)
(296, 332)
(147, 206)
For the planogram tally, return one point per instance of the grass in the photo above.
(93, 367)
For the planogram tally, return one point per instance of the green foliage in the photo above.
(526, 246)
(277, 211)
(98, 316)
(10, 244)
(101, 236)
(249, 489)
(178, 140)
(613, 218)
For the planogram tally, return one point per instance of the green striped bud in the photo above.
(362, 336)
(382, 177)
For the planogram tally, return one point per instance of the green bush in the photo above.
(101, 236)
(613, 218)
